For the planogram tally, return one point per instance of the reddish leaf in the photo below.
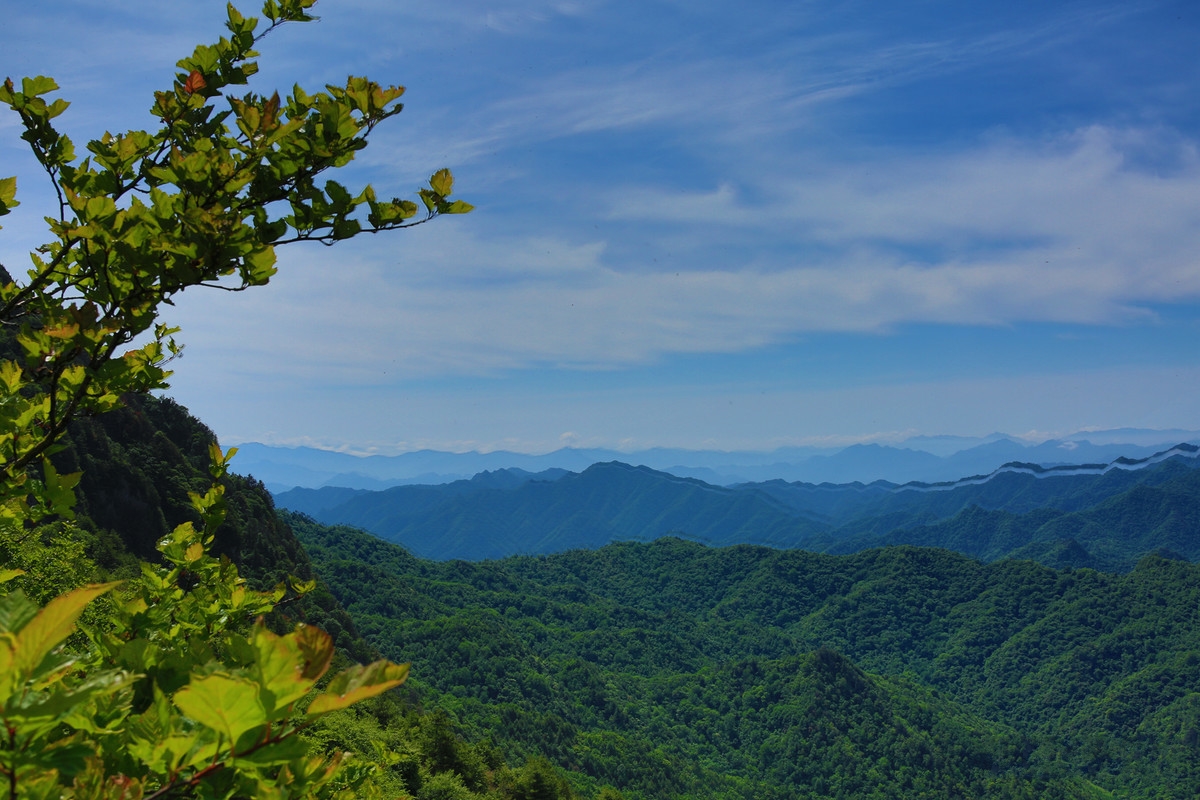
(195, 82)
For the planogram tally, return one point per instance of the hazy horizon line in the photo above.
(829, 442)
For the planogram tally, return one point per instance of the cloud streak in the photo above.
(663, 183)
(1067, 231)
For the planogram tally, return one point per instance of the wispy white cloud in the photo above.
(1062, 229)
(506, 16)
(1067, 229)
(671, 178)
(705, 95)
(1065, 232)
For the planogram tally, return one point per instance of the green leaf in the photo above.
(16, 610)
(8, 195)
(229, 705)
(155, 736)
(298, 586)
(346, 228)
(218, 460)
(63, 705)
(8, 676)
(281, 752)
(442, 182)
(358, 683)
(59, 492)
(288, 666)
(340, 198)
(53, 624)
(459, 207)
(68, 756)
(260, 265)
(317, 647)
(31, 87)
(56, 108)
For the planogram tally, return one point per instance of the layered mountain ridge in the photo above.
(1019, 510)
(928, 459)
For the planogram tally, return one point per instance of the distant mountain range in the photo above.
(1103, 515)
(928, 459)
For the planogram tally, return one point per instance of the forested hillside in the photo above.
(673, 669)
(140, 462)
(606, 502)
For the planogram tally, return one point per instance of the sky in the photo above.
(698, 224)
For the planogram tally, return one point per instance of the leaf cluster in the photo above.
(202, 200)
(178, 687)
(176, 692)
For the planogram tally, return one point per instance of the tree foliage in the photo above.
(178, 688)
(175, 692)
(203, 200)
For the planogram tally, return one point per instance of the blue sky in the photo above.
(700, 224)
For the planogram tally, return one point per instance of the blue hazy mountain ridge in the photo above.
(919, 459)
(1158, 515)
(1018, 487)
(1104, 515)
(287, 467)
(420, 496)
(606, 502)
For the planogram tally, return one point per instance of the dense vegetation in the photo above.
(674, 669)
